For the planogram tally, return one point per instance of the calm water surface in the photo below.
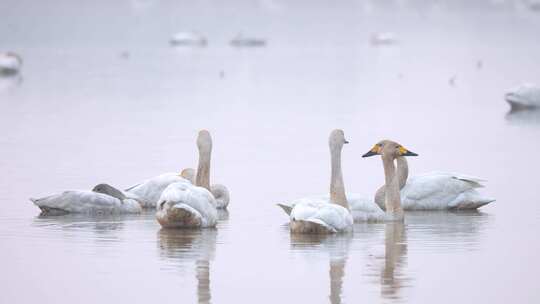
(82, 113)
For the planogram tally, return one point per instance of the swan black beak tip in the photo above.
(409, 153)
(369, 153)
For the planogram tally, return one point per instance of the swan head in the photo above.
(204, 141)
(388, 148)
(337, 139)
(109, 190)
(189, 174)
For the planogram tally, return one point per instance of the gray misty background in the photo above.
(82, 113)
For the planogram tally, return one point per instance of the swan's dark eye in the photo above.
(397, 147)
(380, 145)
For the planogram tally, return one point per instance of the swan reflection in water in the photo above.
(442, 231)
(434, 231)
(523, 117)
(182, 246)
(8, 83)
(337, 247)
(100, 228)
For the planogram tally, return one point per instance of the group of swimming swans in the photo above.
(185, 200)
(188, 200)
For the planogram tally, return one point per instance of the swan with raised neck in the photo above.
(204, 143)
(390, 151)
(337, 187)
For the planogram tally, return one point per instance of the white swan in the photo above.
(325, 216)
(435, 190)
(149, 191)
(103, 199)
(525, 96)
(188, 39)
(10, 63)
(184, 205)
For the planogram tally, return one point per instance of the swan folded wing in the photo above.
(436, 190)
(149, 191)
(288, 206)
(333, 216)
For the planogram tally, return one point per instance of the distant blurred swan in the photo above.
(241, 41)
(184, 205)
(188, 39)
(103, 199)
(383, 38)
(315, 216)
(525, 96)
(10, 63)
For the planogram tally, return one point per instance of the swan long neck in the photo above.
(337, 188)
(402, 171)
(392, 200)
(203, 169)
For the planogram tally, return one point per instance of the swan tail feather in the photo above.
(285, 208)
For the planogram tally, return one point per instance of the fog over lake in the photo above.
(103, 97)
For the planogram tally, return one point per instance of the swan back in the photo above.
(333, 217)
(184, 205)
(150, 190)
(439, 190)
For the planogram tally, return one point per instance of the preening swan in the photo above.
(149, 191)
(435, 190)
(184, 205)
(103, 199)
(325, 216)
(10, 63)
(389, 151)
(525, 96)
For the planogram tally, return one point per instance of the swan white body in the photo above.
(524, 96)
(10, 63)
(332, 217)
(362, 208)
(183, 205)
(149, 191)
(188, 39)
(87, 202)
(440, 191)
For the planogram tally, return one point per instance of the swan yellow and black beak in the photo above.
(405, 152)
(374, 151)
